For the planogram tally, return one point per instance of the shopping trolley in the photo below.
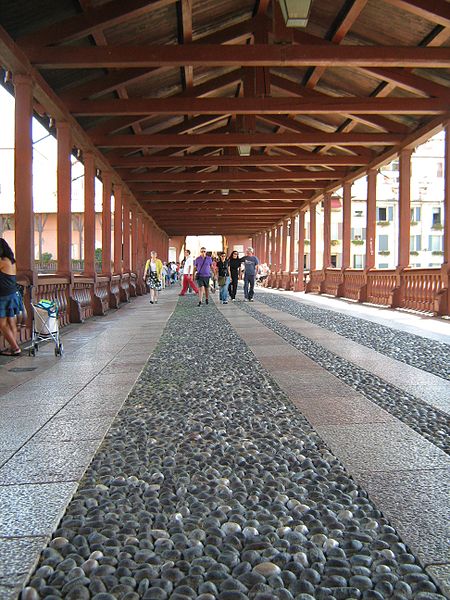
(45, 326)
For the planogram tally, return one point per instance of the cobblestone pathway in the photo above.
(210, 484)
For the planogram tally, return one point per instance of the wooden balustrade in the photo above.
(381, 286)
(133, 285)
(284, 280)
(100, 297)
(420, 289)
(114, 291)
(125, 287)
(81, 306)
(332, 283)
(56, 288)
(355, 285)
(315, 282)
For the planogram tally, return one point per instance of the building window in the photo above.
(415, 214)
(383, 266)
(383, 243)
(415, 243)
(358, 233)
(436, 216)
(385, 213)
(334, 261)
(358, 261)
(434, 243)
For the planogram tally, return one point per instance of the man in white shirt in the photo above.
(188, 270)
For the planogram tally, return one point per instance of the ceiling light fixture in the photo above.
(244, 149)
(295, 12)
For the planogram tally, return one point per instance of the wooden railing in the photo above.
(425, 290)
(54, 288)
(420, 289)
(81, 305)
(381, 286)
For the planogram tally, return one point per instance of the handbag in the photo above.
(222, 281)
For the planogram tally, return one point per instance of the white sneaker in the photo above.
(225, 302)
(245, 300)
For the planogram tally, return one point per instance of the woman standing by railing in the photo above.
(10, 302)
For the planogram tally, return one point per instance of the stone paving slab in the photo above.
(441, 576)
(33, 510)
(388, 446)
(427, 509)
(19, 555)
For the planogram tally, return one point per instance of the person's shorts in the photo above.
(202, 282)
(10, 305)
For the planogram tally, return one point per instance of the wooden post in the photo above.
(64, 187)
(346, 224)
(301, 252)
(371, 218)
(117, 229)
(404, 198)
(23, 176)
(292, 246)
(134, 241)
(312, 238)
(443, 301)
(126, 234)
(89, 214)
(106, 224)
(327, 231)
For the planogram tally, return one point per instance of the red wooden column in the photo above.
(266, 247)
(106, 224)
(347, 224)
(404, 198)
(444, 306)
(327, 231)
(117, 229)
(126, 234)
(371, 216)
(292, 246)
(301, 252)
(274, 249)
(312, 238)
(89, 214)
(284, 226)
(64, 187)
(134, 241)
(23, 176)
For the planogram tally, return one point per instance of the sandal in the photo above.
(11, 352)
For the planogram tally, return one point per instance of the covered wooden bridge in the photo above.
(215, 117)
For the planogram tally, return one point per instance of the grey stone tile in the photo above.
(416, 503)
(33, 510)
(15, 432)
(19, 555)
(4, 456)
(267, 351)
(382, 447)
(11, 587)
(341, 411)
(73, 429)
(313, 383)
(48, 462)
(441, 576)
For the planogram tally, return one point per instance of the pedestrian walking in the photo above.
(10, 302)
(234, 264)
(188, 270)
(250, 265)
(202, 273)
(153, 274)
(223, 271)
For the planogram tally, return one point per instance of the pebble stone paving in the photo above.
(414, 350)
(426, 420)
(210, 484)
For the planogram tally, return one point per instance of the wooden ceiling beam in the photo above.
(233, 196)
(96, 19)
(373, 120)
(235, 206)
(254, 139)
(255, 176)
(239, 161)
(436, 11)
(255, 106)
(412, 83)
(256, 55)
(225, 184)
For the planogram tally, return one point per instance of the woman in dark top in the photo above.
(223, 272)
(9, 299)
(234, 264)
